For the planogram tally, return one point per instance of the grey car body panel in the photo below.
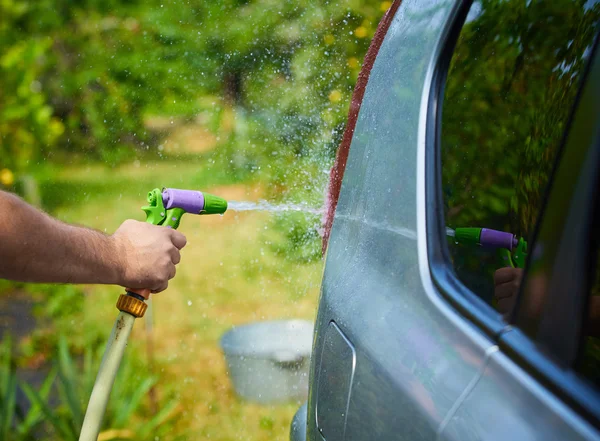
(336, 372)
(414, 356)
(298, 426)
(507, 404)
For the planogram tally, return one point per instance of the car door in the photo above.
(408, 323)
(390, 357)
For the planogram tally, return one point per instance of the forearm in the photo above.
(37, 248)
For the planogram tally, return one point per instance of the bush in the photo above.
(127, 416)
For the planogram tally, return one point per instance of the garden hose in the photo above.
(165, 208)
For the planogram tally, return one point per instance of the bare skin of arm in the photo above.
(35, 247)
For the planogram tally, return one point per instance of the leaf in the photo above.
(8, 403)
(68, 384)
(61, 427)
(34, 416)
(6, 384)
(133, 401)
(89, 373)
(163, 415)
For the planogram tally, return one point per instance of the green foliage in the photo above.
(8, 390)
(15, 424)
(28, 128)
(294, 68)
(300, 240)
(74, 382)
(267, 423)
(78, 79)
(72, 379)
(60, 300)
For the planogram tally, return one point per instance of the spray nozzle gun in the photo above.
(166, 207)
(513, 251)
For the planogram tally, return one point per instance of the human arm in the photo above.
(35, 247)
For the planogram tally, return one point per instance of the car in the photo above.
(478, 118)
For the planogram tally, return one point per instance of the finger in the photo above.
(504, 275)
(172, 272)
(175, 256)
(178, 239)
(505, 290)
(505, 306)
(160, 288)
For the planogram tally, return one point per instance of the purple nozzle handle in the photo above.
(189, 200)
(497, 239)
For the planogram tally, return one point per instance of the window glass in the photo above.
(589, 363)
(511, 86)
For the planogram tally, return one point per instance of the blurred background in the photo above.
(104, 100)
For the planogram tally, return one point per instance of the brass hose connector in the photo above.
(131, 305)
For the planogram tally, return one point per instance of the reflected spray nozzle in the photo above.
(486, 237)
(495, 239)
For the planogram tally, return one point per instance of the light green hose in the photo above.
(106, 377)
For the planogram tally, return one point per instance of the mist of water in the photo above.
(263, 205)
(405, 232)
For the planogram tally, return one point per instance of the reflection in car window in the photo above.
(589, 363)
(511, 86)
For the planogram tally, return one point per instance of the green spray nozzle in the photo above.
(214, 204)
(167, 206)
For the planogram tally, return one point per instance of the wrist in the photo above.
(118, 259)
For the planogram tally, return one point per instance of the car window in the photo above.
(589, 363)
(510, 90)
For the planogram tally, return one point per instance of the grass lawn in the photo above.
(229, 275)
